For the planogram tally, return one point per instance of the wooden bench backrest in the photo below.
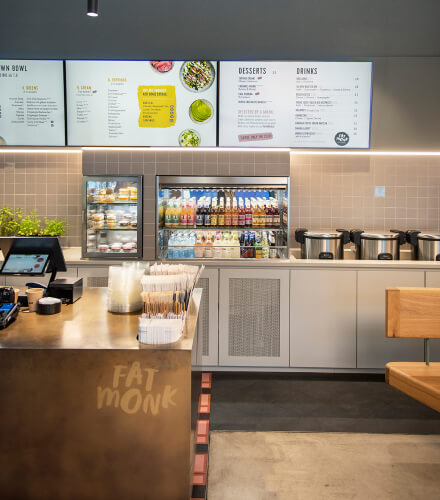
(413, 312)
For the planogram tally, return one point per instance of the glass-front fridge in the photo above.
(112, 217)
(222, 217)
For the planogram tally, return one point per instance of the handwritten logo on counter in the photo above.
(132, 391)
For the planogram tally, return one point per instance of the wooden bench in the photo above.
(414, 313)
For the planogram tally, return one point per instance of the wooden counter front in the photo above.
(88, 412)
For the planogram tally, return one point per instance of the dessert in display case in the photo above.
(222, 217)
(112, 217)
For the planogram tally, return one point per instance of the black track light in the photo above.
(92, 8)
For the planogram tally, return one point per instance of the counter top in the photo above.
(87, 324)
(73, 258)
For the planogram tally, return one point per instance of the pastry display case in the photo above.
(112, 217)
(222, 217)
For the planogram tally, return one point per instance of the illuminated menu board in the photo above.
(299, 104)
(31, 103)
(141, 103)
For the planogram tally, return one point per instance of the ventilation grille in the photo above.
(101, 281)
(203, 320)
(254, 317)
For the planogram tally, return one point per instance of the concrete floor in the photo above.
(324, 466)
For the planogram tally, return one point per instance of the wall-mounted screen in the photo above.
(141, 103)
(299, 104)
(31, 103)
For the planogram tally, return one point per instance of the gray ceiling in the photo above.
(224, 29)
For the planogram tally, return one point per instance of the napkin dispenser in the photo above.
(69, 290)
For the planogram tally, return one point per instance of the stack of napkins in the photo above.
(160, 330)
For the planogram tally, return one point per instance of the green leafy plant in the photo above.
(9, 220)
(29, 225)
(54, 227)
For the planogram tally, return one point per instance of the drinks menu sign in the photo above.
(31, 103)
(141, 103)
(300, 104)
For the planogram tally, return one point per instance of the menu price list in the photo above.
(295, 104)
(31, 103)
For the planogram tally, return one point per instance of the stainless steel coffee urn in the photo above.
(378, 246)
(425, 246)
(321, 245)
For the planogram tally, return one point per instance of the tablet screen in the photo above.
(20, 263)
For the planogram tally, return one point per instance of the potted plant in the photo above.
(54, 227)
(9, 221)
(29, 225)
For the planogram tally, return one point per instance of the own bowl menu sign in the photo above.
(141, 103)
(300, 104)
(31, 103)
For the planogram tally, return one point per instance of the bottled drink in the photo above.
(276, 215)
(235, 250)
(265, 245)
(273, 254)
(190, 214)
(217, 247)
(175, 216)
(255, 214)
(209, 249)
(234, 218)
(207, 214)
(251, 248)
(241, 214)
(248, 214)
(258, 247)
(199, 248)
(214, 220)
(183, 215)
(199, 215)
(228, 213)
(168, 212)
(221, 213)
(269, 217)
(226, 250)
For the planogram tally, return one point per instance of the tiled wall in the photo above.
(184, 162)
(332, 191)
(49, 182)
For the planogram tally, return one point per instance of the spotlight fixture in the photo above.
(92, 8)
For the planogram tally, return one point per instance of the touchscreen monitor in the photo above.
(18, 263)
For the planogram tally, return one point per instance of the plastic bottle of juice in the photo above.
(248, 213)
(209, 249)
(176, 213)
(217, 246)
(221, 213)
(241, 213)
(199, 248)
(214, 220)
(207, 214)
(276, 215)
(258, 246)
(255, 213)
(268, 210)
(235, 251)
(265, 246)
(183, 215)
(226, 250)
(168, 212)
(199, 214)
(190, 214)
(228, 213)
(234, 218)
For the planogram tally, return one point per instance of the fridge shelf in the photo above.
(221, 228)
(112, 203)
(113, 229)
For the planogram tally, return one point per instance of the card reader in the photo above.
(8, 312)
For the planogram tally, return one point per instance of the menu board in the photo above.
(299, 104)
(31, 103)
(141, 103)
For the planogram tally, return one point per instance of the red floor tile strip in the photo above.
(201, 457)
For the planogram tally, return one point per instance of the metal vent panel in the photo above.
(203, 320)
(99, 281)
(254, 317)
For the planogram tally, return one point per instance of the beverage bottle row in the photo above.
(222, 245)
(216, 212)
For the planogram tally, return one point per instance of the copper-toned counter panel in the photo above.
(87, 324)
(87, 413)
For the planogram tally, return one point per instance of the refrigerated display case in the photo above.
(222, 217)
(112, 217)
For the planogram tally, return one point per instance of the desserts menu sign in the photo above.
(31, 103)
(141, 103)
(300, 104)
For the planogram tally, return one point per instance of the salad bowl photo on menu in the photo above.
(197, 76)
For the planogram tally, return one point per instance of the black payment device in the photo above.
(8, 310)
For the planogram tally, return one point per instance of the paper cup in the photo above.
(33, 296)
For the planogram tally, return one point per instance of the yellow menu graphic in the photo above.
(157, 106)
